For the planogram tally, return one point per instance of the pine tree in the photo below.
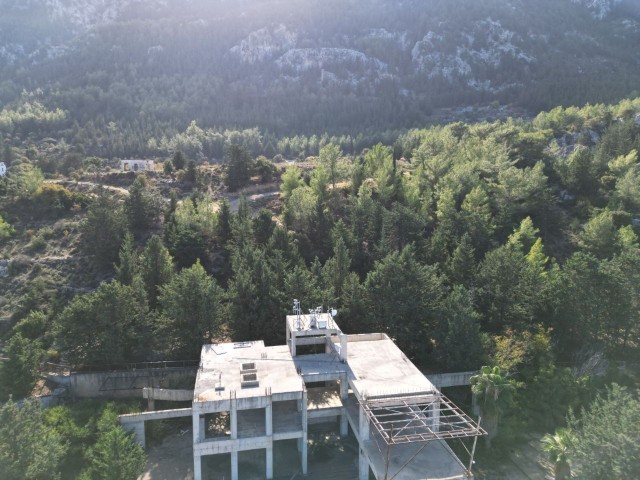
(173, 204)
(19, 373)
(336, 270)
(127, 267)
(403, 298)
(142, 207)
(524, 237)
(238, 168)
(156, 269)
(263, 226)
(462, 346)
(191, 175)
(606, 440)
(329, 156)
(108, 326)
(254, 299)
(191, 306)
(103, 230)
(461, 265)
(116, 456)
(225, 218)
(178, 160)
(28, 447)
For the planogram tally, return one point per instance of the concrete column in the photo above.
(344, 396)
(287, 336)
(344, 389)
(197, 467)
(137, 428)
(363, 466)
(475, 408)
(303, 441)
(363, 431)
(344, 425)
(363, 462)
(196, 428)
(343, 347)
(269, 460)
(203, 430)
(435, 416)
(363, 425)
(233, 421)
(293, 344)
(268, 417)
(151, 404)
(197, 459)
(327, 343)
(234, 465)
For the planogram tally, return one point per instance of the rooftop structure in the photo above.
(248, 396)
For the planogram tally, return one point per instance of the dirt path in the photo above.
(90, 186)
(254, 195)
(234, 202)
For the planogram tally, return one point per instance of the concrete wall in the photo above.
(456, 379)
(167, 394)
(125, 384)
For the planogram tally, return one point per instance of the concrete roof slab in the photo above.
(221, 371)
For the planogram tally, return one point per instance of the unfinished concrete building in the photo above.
(137, 165)
(249, 396)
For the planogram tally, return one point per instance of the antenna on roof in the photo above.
(297, 311)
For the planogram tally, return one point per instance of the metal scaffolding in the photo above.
(421, 418)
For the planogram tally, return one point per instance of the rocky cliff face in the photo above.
(47, 28)
(599, 8)
(264, 44)
(446, 54)
(487, 45)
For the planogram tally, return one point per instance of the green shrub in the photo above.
(18, 264)
(52, 198)
(6, 230)
(33, 326)
(37, 243)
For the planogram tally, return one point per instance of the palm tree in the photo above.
(493, 390)
(557, 446)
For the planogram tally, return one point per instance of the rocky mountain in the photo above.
(247, 62)
(599, 8)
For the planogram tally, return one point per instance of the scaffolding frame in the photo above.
(420, 418)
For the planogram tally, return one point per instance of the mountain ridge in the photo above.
(301, 66)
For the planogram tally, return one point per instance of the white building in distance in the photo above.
(137, 165)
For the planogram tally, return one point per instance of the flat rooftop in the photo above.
(248, 368)
(378, 367)
(375, 366)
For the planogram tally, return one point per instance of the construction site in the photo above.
(254, 399)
